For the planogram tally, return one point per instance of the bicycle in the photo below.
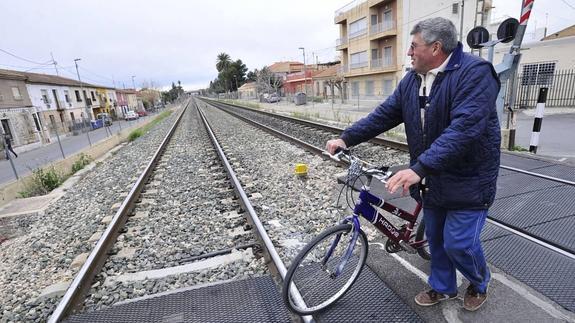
(326, 268)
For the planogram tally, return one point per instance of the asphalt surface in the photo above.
(43, 155)
(556, 138)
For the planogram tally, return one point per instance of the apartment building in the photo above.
(375, 36)
(370, 47)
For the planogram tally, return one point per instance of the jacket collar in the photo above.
(456, 57)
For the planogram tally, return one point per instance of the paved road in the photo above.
(29, 160)
(556, 138)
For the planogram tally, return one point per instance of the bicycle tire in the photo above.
(423, 252)
(318, 290)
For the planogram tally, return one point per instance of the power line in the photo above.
(567, 3)
(24, 59)
(96, 74)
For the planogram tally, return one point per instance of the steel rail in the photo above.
(514, 230)
(81, 284)
(247, 206)
(378, 140)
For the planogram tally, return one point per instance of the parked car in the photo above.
(105, 117)
(272, 98)
(131, 115)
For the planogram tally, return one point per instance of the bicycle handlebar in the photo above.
(343, 154)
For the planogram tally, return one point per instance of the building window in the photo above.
(16, 93)
(67, 96)
(45, 97)
(387, 86)
(358, 28)
(78, 98)
(369, 88)
(387, 56)
(36, 121)
(355, 89)
(358, 60)
(387, 20)
(93, 96)
(455, 8)
(538, 74)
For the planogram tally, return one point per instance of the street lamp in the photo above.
(237, 90)
(133, 84)
(88, 114)
(304, 76)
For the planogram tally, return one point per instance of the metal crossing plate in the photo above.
(248, 300)
(557, 231)
(369, 300)
(536, 207)
(544, 270)
(518, 183)
(560, 171)
(522, 161)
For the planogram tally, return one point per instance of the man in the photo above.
(8, 143)
(447, 103)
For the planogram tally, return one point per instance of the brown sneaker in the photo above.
(473, 300)
(431, 297)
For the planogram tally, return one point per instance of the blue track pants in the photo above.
(453, 237)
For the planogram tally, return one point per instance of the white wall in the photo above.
(35, 92)
(559, 51)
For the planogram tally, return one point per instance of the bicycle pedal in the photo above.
(407, 247)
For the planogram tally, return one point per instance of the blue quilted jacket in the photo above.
(457, 149)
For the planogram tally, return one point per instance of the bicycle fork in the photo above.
(345, 258)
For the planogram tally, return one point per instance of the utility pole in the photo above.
(461, 22)
(55, 64)
(133, 83)
(88, 114)
(304, 74)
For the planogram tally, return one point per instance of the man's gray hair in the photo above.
(437, 29)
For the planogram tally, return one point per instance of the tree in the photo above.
(223, 61)
(173, 93)
(231, 74)
(252, 75)
(267, 81)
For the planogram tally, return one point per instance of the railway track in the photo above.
(315, 135)
(183, 211)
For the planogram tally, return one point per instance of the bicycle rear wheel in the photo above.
(318, 288)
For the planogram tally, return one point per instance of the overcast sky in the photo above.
(162, 41)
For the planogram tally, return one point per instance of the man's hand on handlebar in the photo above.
(333, 144)
(402, 179)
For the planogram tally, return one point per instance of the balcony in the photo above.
(340, 14)
(383, 29)
(340, 43)
(358, 65)
(373, 3)
(381, 64)
(358, 33)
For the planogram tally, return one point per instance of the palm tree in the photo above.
(223, 61)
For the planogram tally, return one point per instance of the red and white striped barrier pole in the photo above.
(526, 11)
(538, 120)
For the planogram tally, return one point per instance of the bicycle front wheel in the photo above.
(317, 283)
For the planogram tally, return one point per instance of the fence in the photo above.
(561, 86)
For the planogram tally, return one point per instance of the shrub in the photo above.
(135, 134)
(43, 181)
(82, 161)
